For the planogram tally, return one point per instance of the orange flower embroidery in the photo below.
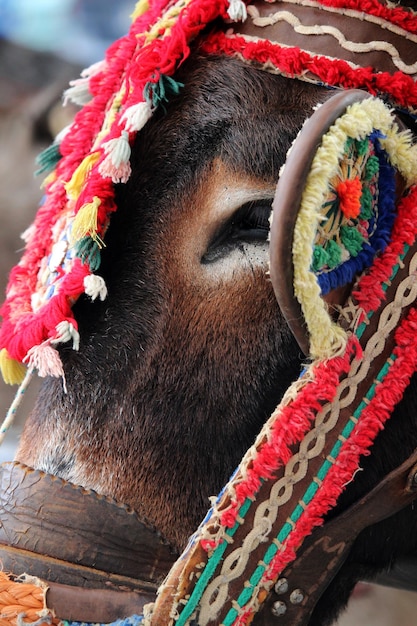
(349, 192)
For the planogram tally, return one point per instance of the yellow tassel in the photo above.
(74, 186)
(12, 371)
(85, 222)
(51, 178)
(141, 7)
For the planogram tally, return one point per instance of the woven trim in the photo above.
(378, 28)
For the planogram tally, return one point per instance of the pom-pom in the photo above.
(95, 287)
(12, 371)
(349, 192)
(116, 165)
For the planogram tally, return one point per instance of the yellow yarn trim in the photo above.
(51, 178)
(326, 338)
(140, 8)
(12, 371)
(403, 153)
(167, 21)
(74, 186)
(85, 222)
(110, 116)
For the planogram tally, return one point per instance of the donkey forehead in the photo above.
(243, 116)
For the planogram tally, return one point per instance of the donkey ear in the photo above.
(334, 210)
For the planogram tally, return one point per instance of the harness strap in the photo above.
(310, 448)
(301, 585)
(295, 593)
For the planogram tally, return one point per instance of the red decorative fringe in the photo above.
(294, 422)
(295, 63)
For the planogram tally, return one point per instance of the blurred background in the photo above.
(43, 45)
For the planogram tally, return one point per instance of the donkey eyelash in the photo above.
(249, 223)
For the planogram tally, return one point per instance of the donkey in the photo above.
(182, 363)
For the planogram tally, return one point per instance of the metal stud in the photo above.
(281, 586)
(279, 608)
(297, 596)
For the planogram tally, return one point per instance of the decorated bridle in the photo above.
(345, 215)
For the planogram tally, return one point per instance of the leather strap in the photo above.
(321, 30)
(100, 561)
(297, 590)
(323, 553)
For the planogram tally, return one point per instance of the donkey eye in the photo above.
(251, 221)
(249, 224)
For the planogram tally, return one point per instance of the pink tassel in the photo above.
(45, 360)
(116, 165)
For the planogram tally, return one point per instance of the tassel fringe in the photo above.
(12, 371)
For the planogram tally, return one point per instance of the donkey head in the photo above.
(184, 360)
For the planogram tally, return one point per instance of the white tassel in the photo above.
(94, 69)
(78, 92)
(237, 11)
(118, 149)
(95, 287)
(136, 116)
(62, 134)
(67, 332)
(27, 235)
(116, 165)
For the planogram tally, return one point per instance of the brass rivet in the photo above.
(279, 608)
(281, 586)
(296, 596)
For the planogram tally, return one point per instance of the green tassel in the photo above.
(160, 92)
(88, 250)
(48, 159)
